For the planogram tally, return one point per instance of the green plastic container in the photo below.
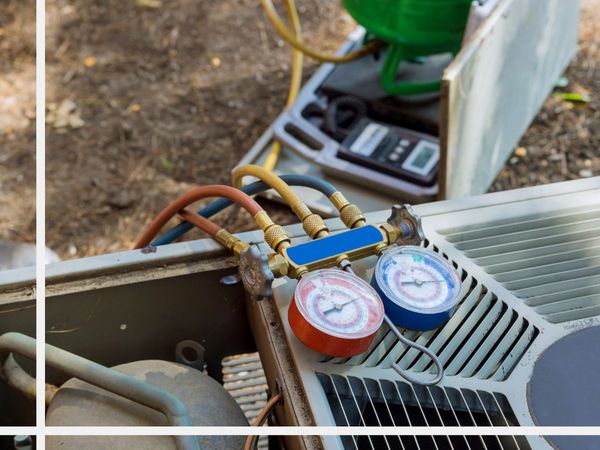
(412, 28)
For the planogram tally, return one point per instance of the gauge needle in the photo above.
(420, 282)
(338, 306)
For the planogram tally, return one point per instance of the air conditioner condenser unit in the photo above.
(520, 349)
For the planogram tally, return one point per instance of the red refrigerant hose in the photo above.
(199, 193)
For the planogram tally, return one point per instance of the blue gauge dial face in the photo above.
(418, 279)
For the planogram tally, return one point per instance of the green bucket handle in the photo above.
(393, 58)
(395, 54)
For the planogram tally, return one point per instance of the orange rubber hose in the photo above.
(261, 418)
(204, 224)
(213, 190)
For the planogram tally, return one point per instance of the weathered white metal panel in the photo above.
(496, 85)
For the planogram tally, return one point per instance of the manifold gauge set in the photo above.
(332, 310)
(336, 313)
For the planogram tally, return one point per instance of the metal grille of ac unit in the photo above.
(368, 402)
(551, 261)
(530, 265)
(484, 338)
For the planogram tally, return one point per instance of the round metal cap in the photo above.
(78, 403)
(563, 390)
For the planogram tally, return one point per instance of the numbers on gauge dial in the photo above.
(418, 280)
(339, 303)
(337, 309)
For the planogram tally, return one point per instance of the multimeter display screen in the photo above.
(421, 160)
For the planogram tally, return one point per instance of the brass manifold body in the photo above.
(281, 264)
(389, 236)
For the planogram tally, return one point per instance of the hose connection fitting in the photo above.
(299, 272)
(350, 214)
(275, 235)
(392, 235)
(231, 242)
(343, 262)
(278, 265)
(313, 224)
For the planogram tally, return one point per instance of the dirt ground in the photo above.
(17, 120)
(147, 98)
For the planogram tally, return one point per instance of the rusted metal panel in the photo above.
(497, 84)
(281, 372)
(114, 313)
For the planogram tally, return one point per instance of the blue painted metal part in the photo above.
(336, 244)
(405, 318)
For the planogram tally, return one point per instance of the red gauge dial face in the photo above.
(339, 303)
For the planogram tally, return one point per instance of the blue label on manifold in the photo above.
(303, 254)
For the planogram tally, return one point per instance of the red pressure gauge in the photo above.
(335, 313)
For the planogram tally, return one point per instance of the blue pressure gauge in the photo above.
(419, 288)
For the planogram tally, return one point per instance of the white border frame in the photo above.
(40, 430)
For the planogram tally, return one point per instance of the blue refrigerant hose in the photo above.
(251, 189)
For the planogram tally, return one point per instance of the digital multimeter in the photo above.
(393, 150)
(344, 125)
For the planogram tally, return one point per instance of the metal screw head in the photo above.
(255, 272)
(405, 219)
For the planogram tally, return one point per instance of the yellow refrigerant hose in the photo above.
(295, 82)
(297, 43)
(294, 38)
(313, 224)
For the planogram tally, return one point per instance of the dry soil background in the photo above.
(147, 98)
(17, 120)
